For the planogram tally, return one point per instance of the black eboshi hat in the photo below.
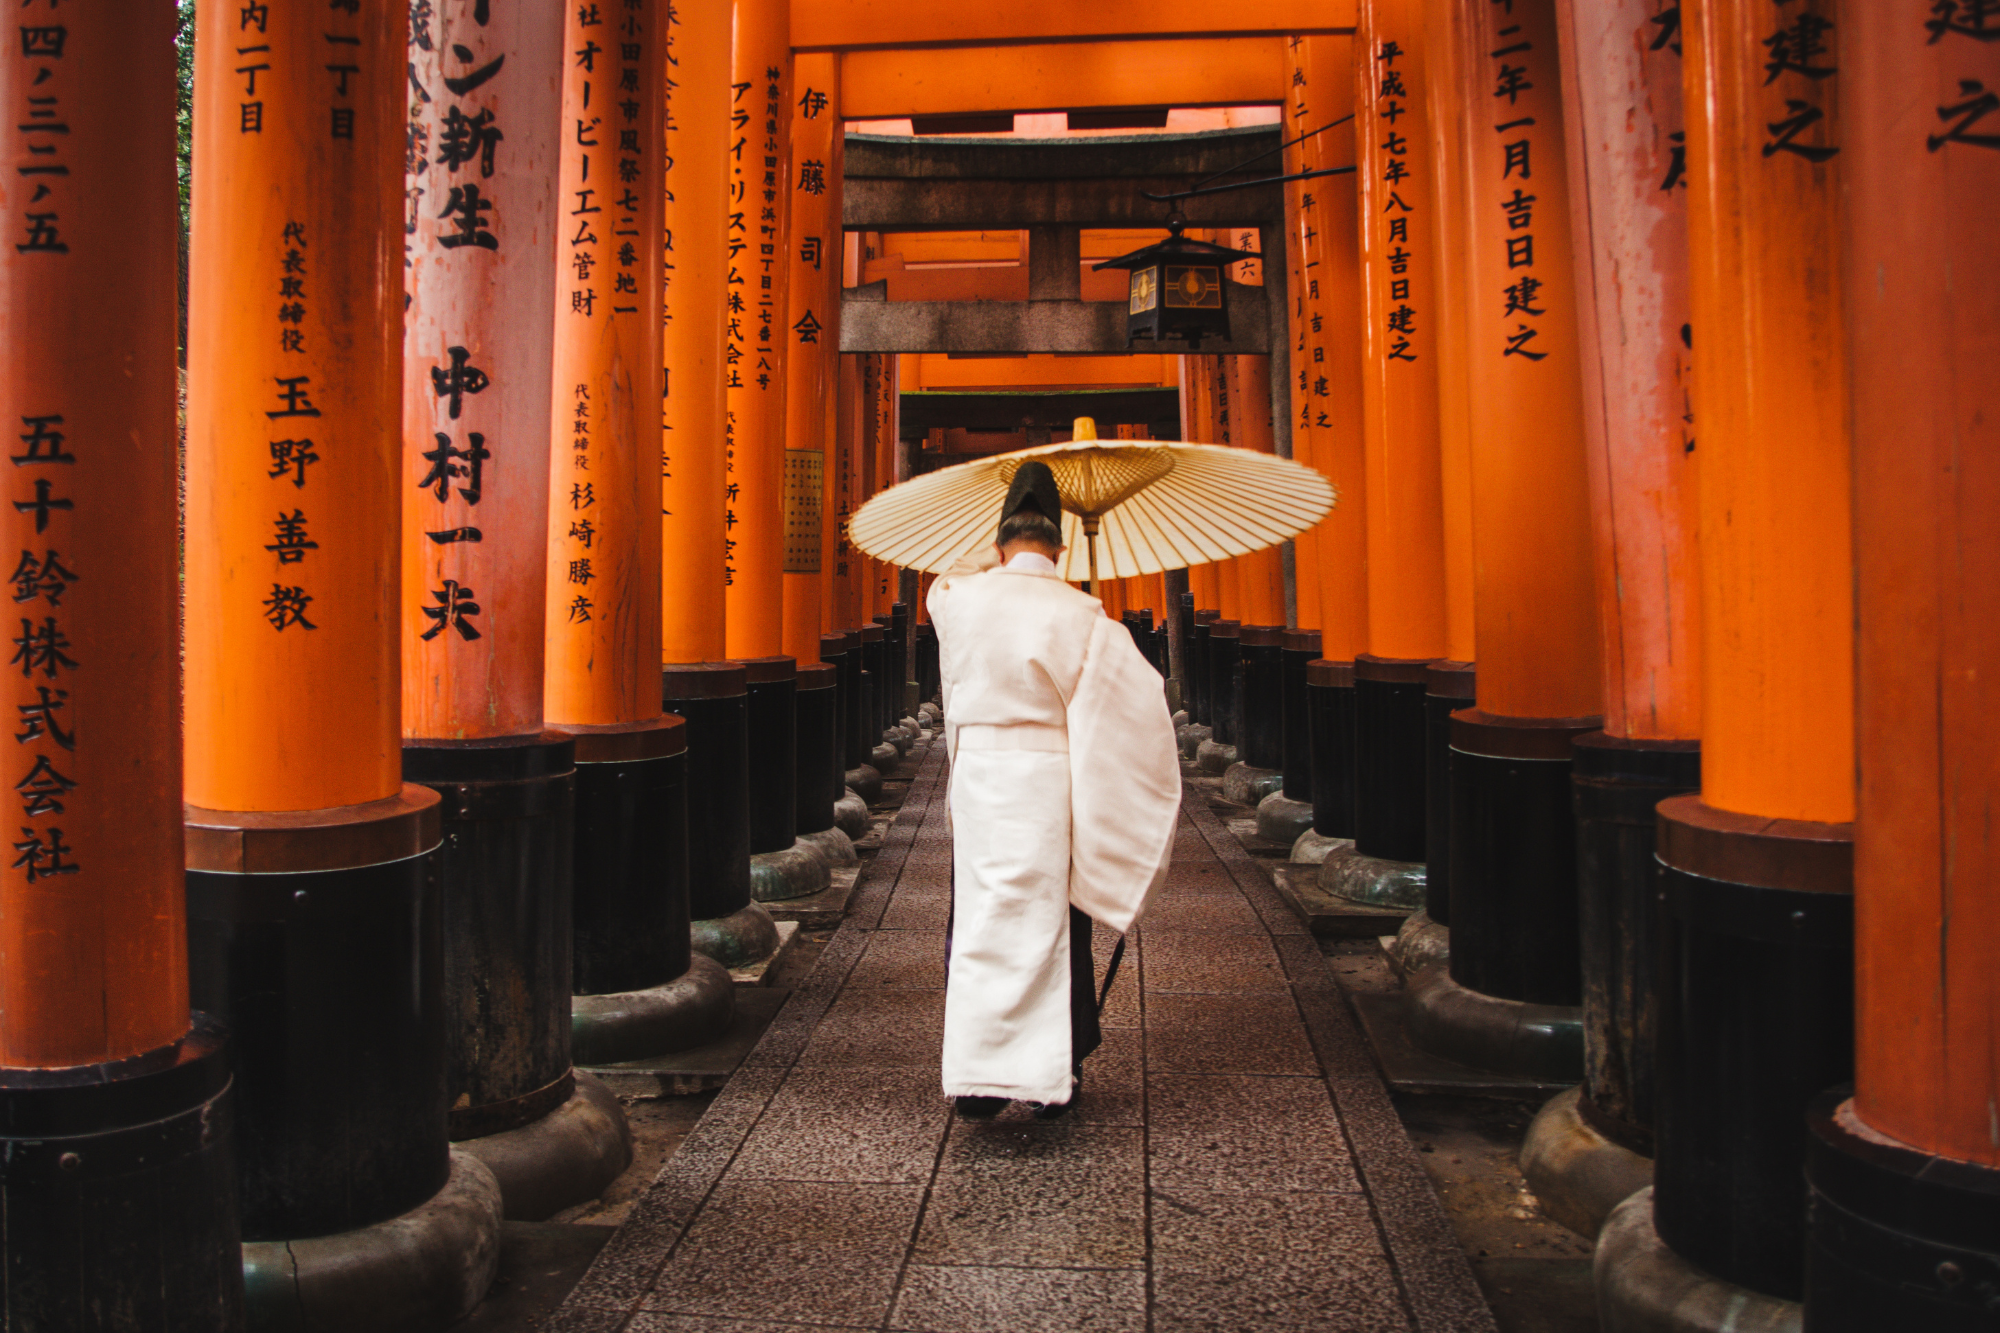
(1034, 488)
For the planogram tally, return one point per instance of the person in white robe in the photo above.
(1064, 794)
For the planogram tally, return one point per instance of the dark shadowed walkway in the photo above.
(1235, 1164)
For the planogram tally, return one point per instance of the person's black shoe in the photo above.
(980, 1108)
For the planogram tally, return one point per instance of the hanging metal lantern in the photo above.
(1178, 291)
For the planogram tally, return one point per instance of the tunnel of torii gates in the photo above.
(535, 355)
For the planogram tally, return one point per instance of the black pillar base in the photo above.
(630, 878)
(1330, 717)
(714, 698)
(119, 1189)
(1301, 649)
(1225, 683)
(1201, 697)
(1282, 820)
(1262, 742)
(822, 774)
(1513, 858)
(1901, 1241)
(1577, 1174)
(1615, 783)
(505, 874)
(771, 687)
(1756, 1004)
(639, 988)
(1246, 784)
(1448, 687)
(1390, 797)
(332, 985)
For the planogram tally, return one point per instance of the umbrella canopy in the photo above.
(1138, 506)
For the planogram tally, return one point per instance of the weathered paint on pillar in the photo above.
(812, 339)
(1300, 230)
(1771, 376)
(1537, 616)
(1334, 367)
(761, 179)
(295, 375)
(882, 591)
(604, 493)
(1628, 162)
(476, 345)
(696, 291)
(1398, 225)
(1924, 315)
(1447, 95)
(93, 951)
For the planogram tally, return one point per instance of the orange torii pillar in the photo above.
(766, 181)
(1259, 768)
(849, 574)
(1509, 1001)
(813, 339)
(1404, 478)
(892, 610)
(1756, 883)
(477, 333)
(1328, 377)
(312, 926)
(1208, 398)
(1589, 1147)
(97, 1043)
(1905, 1176)
(1448, 683)
(695, 461)
(1286, 815)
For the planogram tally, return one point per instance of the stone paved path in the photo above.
(1235, 1164)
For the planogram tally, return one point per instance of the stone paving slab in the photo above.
(1235, 1163)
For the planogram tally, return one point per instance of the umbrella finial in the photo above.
(1084, 429)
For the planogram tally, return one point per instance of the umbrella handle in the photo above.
(1090, 545)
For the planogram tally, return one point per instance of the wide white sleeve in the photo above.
(1125, 780)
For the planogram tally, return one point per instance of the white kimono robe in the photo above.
(1065, 789)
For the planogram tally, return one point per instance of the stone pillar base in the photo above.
(1419, 943)
(797, 871)
(568, 1157)
(865, 782)
(1191, 736)
(1534, 1041)
(739, 939)
(1281, 819)
(411, 1274)
(885, 757)
(692, 1010)
(1312, 847)
(1214, 759)
(834, 845)
(850, 813)
(1577, 1174)
(1248, 785)
(1373, 881)
(1644, 1287)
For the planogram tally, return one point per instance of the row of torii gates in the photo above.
(1644, 347)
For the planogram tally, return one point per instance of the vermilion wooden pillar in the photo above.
(311, 921)
(97, 1044)
(696, 459)
(766, 181)
(1398, 223)
(1513, 875)
(1753, 1022)
(1622, 85)
(1327, 372)
(1301, 230)
(1905, 1177)
(477, 332)
(695, 273)
(813, 340)
(754, 360)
